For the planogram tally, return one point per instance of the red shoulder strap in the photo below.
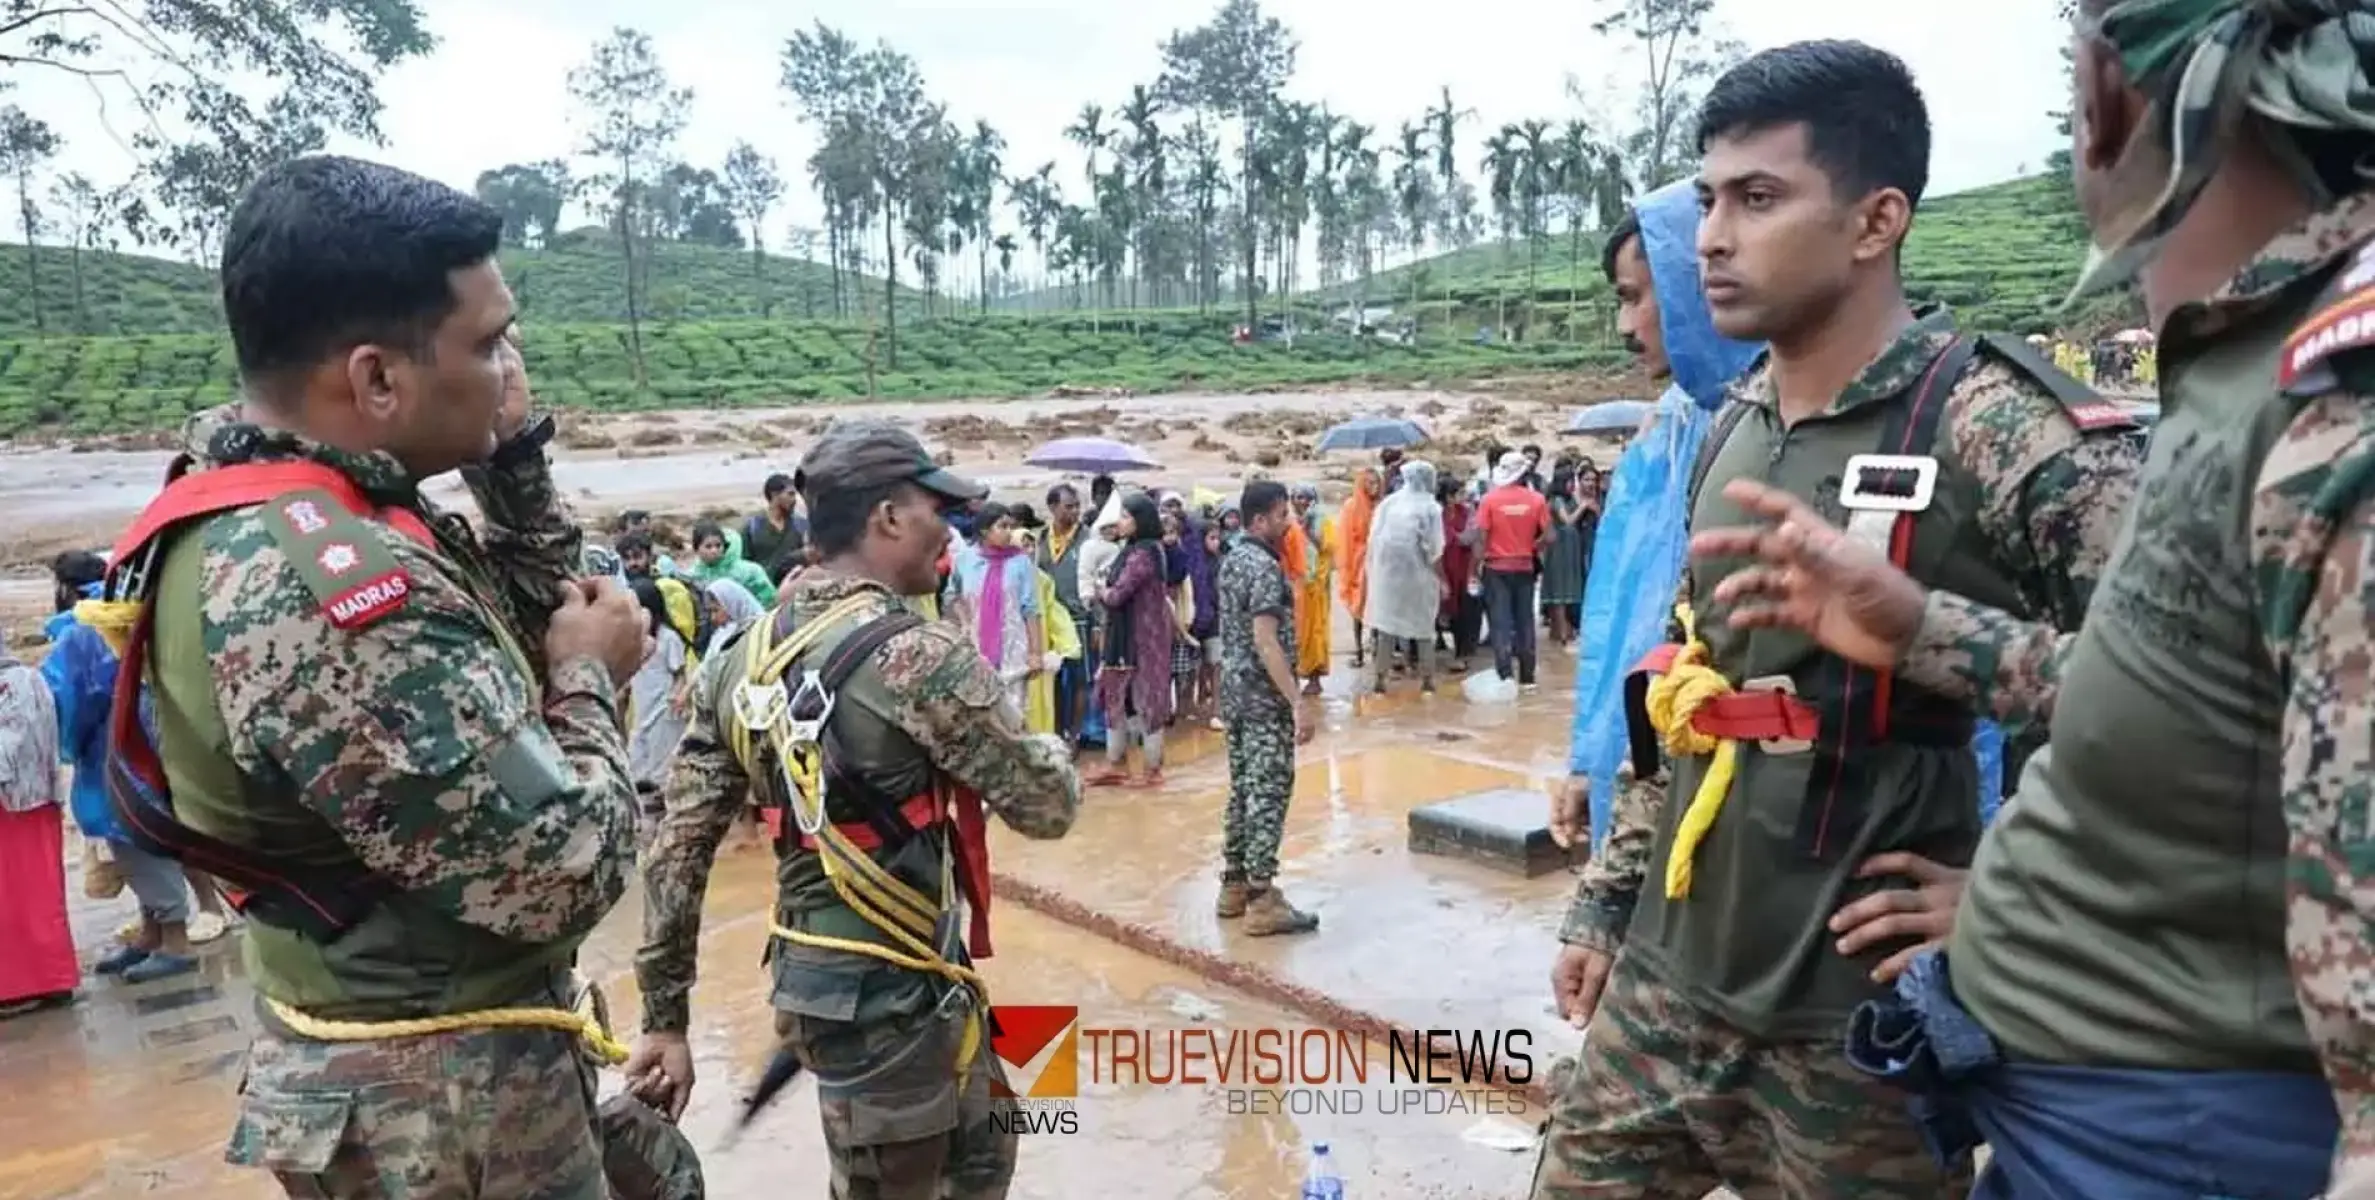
(203, 492)
(1658, 661)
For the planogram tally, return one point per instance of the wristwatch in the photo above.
(525, 445)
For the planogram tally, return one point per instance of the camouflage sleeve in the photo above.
(2051, 501)
(531, 536)
(706, 786)
(415, 737)
(950, 702)
(1611, 881)
(2313, 555)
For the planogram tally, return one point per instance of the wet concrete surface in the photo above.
(130, 1092)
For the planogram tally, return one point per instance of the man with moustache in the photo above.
(1801, 780)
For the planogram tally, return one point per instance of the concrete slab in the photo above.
(1506, 829)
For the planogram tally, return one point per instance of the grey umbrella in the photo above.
(1611, 416)
(1372, 433)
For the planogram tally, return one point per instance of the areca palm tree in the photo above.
(974, 207)
(1089, 132)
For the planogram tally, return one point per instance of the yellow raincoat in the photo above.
(1311, 568)
(1039, 695)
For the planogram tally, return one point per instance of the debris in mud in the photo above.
(1205, 444)
(1433, 408)
(1268, 457)
(584, 435)
(655, 437)
(1069, 391)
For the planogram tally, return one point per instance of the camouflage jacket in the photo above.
(941, 693)
(2050, 499)
(500, 799)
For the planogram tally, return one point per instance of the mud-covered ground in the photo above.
(688, 464)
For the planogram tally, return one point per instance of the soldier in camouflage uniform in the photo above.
(1266, 720)
(907, 1101)
(1713, 1056)
(378, 694)
(2116, 953)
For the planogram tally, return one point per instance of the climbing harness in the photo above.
(792, 722)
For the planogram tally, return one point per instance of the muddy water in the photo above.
(683, 463)
(131, 1092)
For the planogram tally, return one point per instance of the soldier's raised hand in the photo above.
(1807, 574)
(599, 619)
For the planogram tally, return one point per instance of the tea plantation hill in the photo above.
(575, 279)
(2004, 256)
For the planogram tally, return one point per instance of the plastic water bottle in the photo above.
(1320, 1180)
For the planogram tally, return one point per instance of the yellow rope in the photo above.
(1674, 699)
(581, 1022)
(882, 899)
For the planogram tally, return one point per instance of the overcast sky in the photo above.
(494, 91)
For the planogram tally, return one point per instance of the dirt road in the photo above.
(686, 464)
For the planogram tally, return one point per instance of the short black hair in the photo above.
(324, 253)
(837, 517)
(633, 541)
(1101, 487)
(1867, 126)
(705, 530)
(776, 485)
(1061, 492)
(633, 517)
(1261, 497)
(77, 569)
(1625, 231)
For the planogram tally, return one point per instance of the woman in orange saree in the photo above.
(1352, 552)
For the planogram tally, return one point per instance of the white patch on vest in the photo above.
(338, 558)
(370, 600)
(2362, 269)
(305, 516)
(2351, 331)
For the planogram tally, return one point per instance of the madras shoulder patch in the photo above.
(342, 558)
(2087, 408)
(2345, 322)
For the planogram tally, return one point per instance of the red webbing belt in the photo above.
(1755, 716)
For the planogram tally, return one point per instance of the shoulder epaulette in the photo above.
(2342, 322)
(342, 558)
(2087, 408)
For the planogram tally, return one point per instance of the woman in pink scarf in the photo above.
(1000, 596)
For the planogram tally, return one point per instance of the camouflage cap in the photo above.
(869, 454)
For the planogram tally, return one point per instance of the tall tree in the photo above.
(530, 196)
(634, 117)
(1672, 38)
(752, 189)
(26, 145)
(319, 62)
(891, 147)
(974, 208)
(88, 214)
(1235, 67)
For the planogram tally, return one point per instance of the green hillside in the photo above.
(2003, 256)
(118, 384)
(578, 278)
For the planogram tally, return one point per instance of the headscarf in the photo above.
(1110, 515)
(735, 599)
(1352, 542)
(1508, 469)
(602, 560)
(2300, 64)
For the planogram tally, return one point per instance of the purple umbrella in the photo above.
(1094, 455)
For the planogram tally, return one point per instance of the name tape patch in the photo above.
(2348, 324)
(369, 600)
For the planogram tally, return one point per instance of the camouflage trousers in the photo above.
(505, 1114)
(1665, 1101)
(1261, 779)
(899, 1124)
(644, 1155)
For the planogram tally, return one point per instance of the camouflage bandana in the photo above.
(2207, 63)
